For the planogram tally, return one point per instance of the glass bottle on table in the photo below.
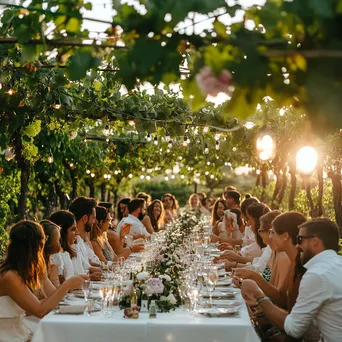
(133, 298)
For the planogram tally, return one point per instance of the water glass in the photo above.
(86, 288)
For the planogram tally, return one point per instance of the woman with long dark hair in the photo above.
(155, 212)
(52, 247)
(23, 271)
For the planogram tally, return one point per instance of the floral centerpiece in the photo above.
(162, 282)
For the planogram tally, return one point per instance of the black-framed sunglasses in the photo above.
(300, 238)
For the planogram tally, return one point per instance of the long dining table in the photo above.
(178, 325)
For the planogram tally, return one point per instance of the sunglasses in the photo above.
(300, 238)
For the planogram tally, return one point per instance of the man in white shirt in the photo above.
(136, 209)
(320, 292)
(83, 209)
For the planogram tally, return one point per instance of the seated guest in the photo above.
(84, 210)
(320, 292)
(232, 199)
(122, 209)
(147, 198)
(23, 271)
(171, 204)
(207, 203)
(194, 202)
(98, 236)
(136, 210)
(155, 213)
(217, 216)
(278, 263)
(254, 212)
(52, 247)
(202, 196)
(73, 262)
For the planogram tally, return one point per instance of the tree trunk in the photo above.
(25, 169)
(195, 187)
(319, 206)
(91, 185)
(263, 182)
(109, 195)
(257, 181)
(103, 192)
(335, 177)
(293, 186)
(115, 200)
(74, 182)
(283, 187)
(51, 200)
(274, 204)
(309, 197)
(61, 195)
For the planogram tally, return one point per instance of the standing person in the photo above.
(155, 212)
(171, 205)
(320, 292)
(23, 271)
(84, 210)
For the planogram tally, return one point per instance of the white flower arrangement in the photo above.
(143, 276)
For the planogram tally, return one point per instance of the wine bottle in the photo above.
(144, 302)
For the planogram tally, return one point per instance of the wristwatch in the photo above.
(260, 299)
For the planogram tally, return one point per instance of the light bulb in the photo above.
(169, 145)
(11, 92)
(88, 172)
(182, 176)
(217, 136)
(205, 129)
(206, 149)
(92, 175)
(148, 137)
(185, 141)
(217, 145)
(109, 176)
(166, 178)
(249, 125)
(155, 141)
(50, 158)
(106, 130)
(130, 175)
(105, 176)
(131, 123)
(57, 105)
(306, 160)
(71, 164)
(167, 137)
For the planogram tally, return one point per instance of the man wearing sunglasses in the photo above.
(320, 292)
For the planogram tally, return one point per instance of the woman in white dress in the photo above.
(73, 262)
(52, 247)
(23, 271)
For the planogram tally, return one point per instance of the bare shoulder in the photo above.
(10, 280)
(112, 235)
(146, 219)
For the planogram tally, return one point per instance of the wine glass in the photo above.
(86, 288)
(212, 277)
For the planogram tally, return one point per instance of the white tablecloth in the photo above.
(177, 326)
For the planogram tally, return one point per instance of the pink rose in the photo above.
(209, 84)
(156, 285)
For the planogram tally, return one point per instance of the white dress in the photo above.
(14, 327)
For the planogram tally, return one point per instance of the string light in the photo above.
(57, 105)
(234, 149)
(130, 176)
(131, 123)
(182, 176)
(106, 131)
(50, 158)
(11, 92)
(249, 125)
(142, 177)
(185, 141)
(206, 148)
(148, 137)
(217, 145)
(205, 129)
(155, 141)
(92, 175)
(265, 146)
(168, 138)
(88, 172)
(306, 160)
(107, 140)
(71, 164)
(217, 136)
(169, 145)
(166, 178)
(173, 176)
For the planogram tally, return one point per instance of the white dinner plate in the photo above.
(224, 282)
(93, 294)
(221, 294)
(219, 312)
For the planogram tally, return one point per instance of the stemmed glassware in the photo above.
(212, 277)
(86, 288)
